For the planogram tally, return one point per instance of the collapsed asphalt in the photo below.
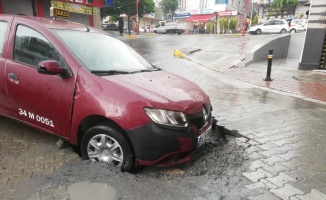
(217, 164)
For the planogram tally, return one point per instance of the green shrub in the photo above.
(233, 24)
(224, 23)
(208, 27)
(255, 20)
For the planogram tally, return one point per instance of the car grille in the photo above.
(198, 119)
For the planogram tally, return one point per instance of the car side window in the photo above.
(268, 23)
(3, 29)
(31, 48)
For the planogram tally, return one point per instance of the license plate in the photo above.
(204, 136)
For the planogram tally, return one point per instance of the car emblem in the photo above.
(205, 115)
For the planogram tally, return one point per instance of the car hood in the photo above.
(163, 90)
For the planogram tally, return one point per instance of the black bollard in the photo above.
(269, 66)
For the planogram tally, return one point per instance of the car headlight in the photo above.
(167, 117)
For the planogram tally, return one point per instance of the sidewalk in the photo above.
(287, 78)
(286, 144)
(310, 85)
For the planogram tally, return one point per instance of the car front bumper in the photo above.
(163, 146)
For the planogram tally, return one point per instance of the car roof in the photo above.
(49, 23)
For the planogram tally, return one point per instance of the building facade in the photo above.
(217, 8)
(79, 10)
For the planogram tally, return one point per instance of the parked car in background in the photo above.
(271, 26)
(143, 30)
(170, 27)
(152, 28)
(111, 27)
(298, 25)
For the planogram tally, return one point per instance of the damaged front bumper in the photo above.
(164, 146)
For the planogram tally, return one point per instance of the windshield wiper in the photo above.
(143, 70)
(109, 72)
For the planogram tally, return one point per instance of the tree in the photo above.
(128, 7)
(255, 20)
(282, 5)
(233, 23)
(169, 6)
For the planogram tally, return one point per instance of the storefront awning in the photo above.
(200, 18)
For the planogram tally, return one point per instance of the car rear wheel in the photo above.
(283, 31)
(293, 31)
(105, 144)
(258, 31)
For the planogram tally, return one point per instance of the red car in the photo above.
(98, 94)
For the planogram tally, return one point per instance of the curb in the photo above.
(179, 54)
(131, 37)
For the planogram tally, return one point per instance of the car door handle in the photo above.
(13, 78)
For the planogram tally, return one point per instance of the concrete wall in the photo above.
(280, 48)
(279, 45)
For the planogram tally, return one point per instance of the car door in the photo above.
(268, 27)
(44, 101)
(280, 25)
(4, 109)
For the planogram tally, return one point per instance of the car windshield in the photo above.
(100, 52)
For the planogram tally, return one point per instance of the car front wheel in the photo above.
(292, 31)
(105, 144)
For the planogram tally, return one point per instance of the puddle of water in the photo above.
(87, 190)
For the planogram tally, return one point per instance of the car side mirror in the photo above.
(51, 67)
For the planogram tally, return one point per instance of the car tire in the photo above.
(283, 31)
(258, 32)
(116, 150)
(155, 31)
(293, 31)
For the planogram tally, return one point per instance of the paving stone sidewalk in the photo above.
(289, 162)
(287, 150)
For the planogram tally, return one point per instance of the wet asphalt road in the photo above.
(215, 172)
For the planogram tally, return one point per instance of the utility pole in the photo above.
(245, 18)
(137, 23)
(252, 10)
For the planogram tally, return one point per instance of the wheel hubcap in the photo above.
(103, 148)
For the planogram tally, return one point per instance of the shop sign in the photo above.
(56, 12)
(206, 11)
(75, 8)
(317, 15)
(227, 13)
(278, 12)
